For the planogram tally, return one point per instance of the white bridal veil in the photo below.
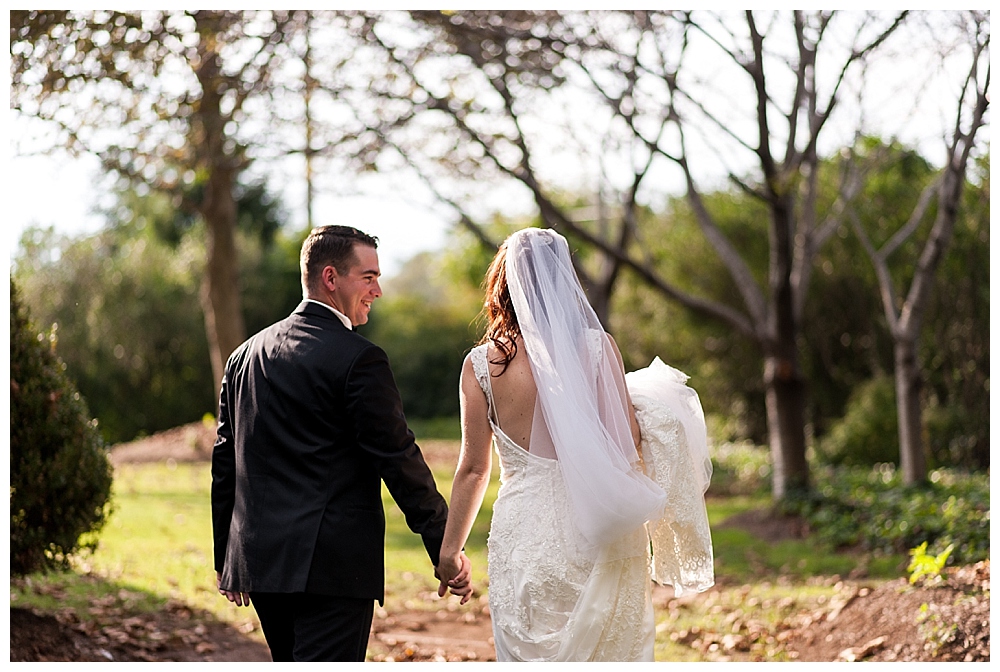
(582, 403)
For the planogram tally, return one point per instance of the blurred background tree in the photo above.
(176, 88)
(125, 304)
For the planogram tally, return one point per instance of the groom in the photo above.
(310, 423)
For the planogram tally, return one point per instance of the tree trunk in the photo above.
(784, 384)
(220, 290)
(912, 460)
(785, 400)
(599, 297)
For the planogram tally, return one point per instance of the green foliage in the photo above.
(125, 303)
(955, 348)
(868, 508)
(425, 324)
(848, 341)
(60, 475)
(130, 327)
(867, 434)
(871, 509)
(926, 566)
(740, 469)
(725, 367)
(270, 280)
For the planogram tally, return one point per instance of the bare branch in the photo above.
(886, 288)
(908, 229)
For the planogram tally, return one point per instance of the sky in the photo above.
(60, 191)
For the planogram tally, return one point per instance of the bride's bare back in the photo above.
(514, 398)
(514, 394)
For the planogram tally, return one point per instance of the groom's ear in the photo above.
(329, 278)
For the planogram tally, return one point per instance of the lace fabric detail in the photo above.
(480, 367)
(550, 597)
(682, 554)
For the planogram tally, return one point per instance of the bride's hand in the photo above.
(455, 574)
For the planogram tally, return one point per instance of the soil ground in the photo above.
(872, 621)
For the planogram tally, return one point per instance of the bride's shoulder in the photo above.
(475, 365)
(478, 352)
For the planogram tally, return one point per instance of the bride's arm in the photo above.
(632, 420)
(472, 475)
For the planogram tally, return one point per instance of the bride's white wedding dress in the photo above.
(552, 596)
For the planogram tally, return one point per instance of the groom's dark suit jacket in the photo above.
(310, 422)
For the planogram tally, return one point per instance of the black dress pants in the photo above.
(310, 627)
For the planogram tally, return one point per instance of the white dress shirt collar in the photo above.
(343, 318)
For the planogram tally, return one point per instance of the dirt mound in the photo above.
(188, 443)
(946, 621)
(193, 443)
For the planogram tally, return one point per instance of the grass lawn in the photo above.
(157, 546)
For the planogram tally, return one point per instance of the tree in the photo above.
(458, 100)
(955, 344)
(905, 316)
(125, 308)
(60, 474)
(124, 303)
(164, 99)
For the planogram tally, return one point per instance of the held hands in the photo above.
(239, 599)
(454, 573)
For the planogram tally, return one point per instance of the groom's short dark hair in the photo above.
(330, 246)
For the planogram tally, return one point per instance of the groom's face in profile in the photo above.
(357, 287)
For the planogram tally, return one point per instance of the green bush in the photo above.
(954, 436)
(867, 434)
(60, 475)
(443, 428)
(871, 509)
(740, 469)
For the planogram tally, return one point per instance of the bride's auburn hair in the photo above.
(502, 328)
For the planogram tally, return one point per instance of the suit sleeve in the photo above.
(223, 479)
(375, 405)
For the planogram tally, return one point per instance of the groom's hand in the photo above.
(455, 575)
(239, 599)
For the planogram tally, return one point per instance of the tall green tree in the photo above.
(124, 304)
(164, 99)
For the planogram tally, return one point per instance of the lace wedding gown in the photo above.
(550, 598)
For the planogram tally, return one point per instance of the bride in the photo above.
(602, 475)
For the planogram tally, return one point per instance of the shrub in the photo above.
(867, 434)
(871, 509)
(60, 475)
(740, 469)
